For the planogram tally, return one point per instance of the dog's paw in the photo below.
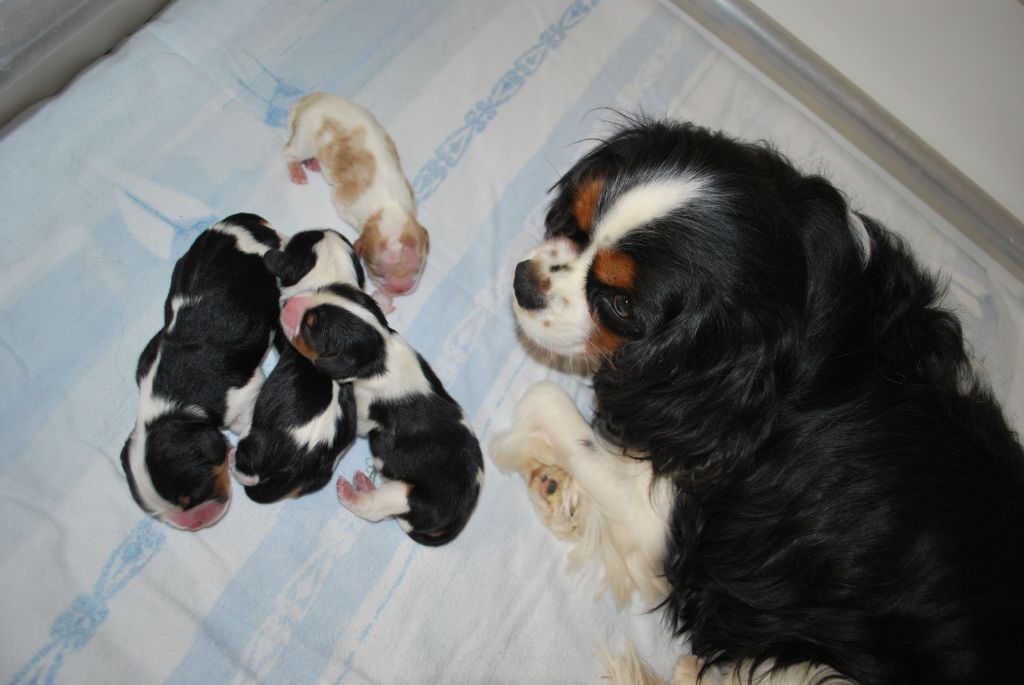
(352, 497)
(296, 173)
(554, 494)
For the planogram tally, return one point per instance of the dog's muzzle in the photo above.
(527, 287)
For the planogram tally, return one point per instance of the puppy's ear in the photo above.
(289, 268)
(363, 356)
(275, 261)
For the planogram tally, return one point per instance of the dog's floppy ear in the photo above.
(362, 356)
(289, 267)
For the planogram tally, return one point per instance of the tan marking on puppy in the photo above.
(584, 204)
(303, 348)
(222, 481)
(615, 268)
(352, 163)
(370, 244)
(602, 342)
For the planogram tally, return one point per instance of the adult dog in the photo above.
(826, 488)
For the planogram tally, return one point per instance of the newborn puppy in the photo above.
(201, 373)
(358, 159)
(420, 440)
(304, 421)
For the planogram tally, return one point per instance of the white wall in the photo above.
(951, 70)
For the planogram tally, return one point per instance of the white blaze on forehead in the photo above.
(641, 205)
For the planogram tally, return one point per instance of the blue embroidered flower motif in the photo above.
(451, 150)
(73, 628)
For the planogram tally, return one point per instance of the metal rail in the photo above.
(866, 124)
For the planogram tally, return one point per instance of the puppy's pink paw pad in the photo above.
(346, 493)
(363, 482)
(296, 173)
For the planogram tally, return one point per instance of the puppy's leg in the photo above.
(297, 173)
(367, 501)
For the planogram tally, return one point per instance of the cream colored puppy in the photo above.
(359, 160)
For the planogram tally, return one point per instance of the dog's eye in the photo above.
(622, 306)
(310, 320)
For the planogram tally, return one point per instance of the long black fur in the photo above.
(848, 490)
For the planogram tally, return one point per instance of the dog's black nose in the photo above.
(526, 287)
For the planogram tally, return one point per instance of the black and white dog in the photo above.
(421, 442)
(304, 421)
(789, 436)
(201, 373)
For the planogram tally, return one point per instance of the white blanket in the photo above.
(489, 102)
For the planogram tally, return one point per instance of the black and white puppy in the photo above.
(421, 442)
(845, 494)
(304, 421)
(201, 373)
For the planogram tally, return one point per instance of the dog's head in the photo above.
(340, 329)
(680, 262)
(176, 466)
(394, 246)
(314, 259)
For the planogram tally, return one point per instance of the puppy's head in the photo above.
(394, 246)
(681, 262)
(340, 329)
(314, 259)
(177, 471)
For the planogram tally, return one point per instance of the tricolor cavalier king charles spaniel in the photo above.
(790, 450)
